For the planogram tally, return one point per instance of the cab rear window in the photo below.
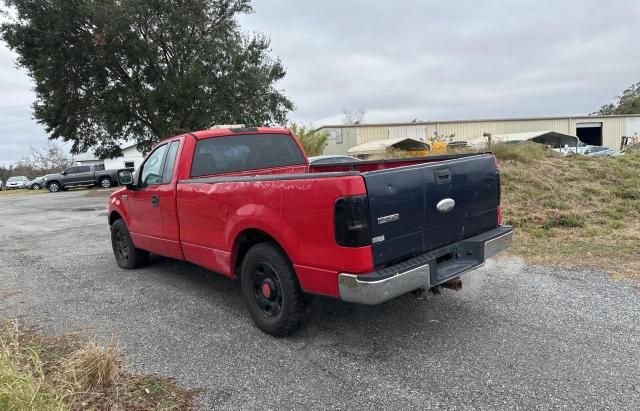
(244, 152)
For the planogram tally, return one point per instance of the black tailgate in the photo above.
(403, 202)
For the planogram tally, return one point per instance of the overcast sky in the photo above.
(430, 60)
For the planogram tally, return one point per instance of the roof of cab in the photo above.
(222, 132)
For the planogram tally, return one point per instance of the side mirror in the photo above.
(125, 177)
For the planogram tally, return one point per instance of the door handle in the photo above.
(155, 201)
(443, 176)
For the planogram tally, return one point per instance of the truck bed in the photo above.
(403, 197)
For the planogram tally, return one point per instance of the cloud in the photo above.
(419, 59)
(451, 60)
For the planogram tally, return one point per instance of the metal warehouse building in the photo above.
(594, 130)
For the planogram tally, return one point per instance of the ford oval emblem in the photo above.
(445, 205)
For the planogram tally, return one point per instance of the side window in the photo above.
(99, 167)
(150, 173)
(71, 170)
(170, 162)
(83, 169)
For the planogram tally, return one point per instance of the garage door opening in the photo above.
(589, 133)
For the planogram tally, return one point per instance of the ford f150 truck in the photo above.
(90, 175)
(246, 203)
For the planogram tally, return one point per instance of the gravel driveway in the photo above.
(515, 337)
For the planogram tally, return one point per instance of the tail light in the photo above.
(499, 215)
(351, 221)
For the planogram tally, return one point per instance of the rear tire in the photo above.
(271, 290)
(105, 182)
(54, 187)
(127, 255)
(36, 187)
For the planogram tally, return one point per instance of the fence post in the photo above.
(488, 136)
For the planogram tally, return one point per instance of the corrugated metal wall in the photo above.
(340, 140)
(613, 128)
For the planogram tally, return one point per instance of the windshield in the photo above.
(11, 179)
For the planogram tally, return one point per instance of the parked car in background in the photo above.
(35, 184)
(81, 176)
(16, 182)
(598, 151)
(331, 159)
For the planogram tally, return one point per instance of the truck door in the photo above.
(84, 175)
(147, 230)
(69, 176)
(166, 196)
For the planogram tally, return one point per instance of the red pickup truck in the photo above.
(246, 203)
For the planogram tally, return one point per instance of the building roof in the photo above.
(378, 146)
(418, 123)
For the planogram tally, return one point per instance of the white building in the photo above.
(130, 158)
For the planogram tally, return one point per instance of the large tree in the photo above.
(628, 102)
(110, 70)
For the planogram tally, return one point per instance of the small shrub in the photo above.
(590, 191)
(93, 366)
(555, 204)
(627, 193)
(567, 221)
(613, 213)
(590, 232)
(616, 224)
(523, 152)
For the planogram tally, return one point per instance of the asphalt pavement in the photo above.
(515, 337)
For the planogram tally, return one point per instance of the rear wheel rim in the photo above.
(267, 290)
(106, 183)
(36, 187)
(122, 245)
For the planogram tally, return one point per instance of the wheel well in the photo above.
(244, 242)
(105, 177)
(53, 181)
(113, 217)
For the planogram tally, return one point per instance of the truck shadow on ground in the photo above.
(330, 320)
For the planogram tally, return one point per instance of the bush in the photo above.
(523, 153)
(567, 220)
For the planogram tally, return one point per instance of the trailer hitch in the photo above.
(455, 284)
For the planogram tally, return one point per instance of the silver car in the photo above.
(598, 151)
(16, 182)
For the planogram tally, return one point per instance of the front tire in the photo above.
(271, 290)
(127, 255)
(105, 182)
(54, 187)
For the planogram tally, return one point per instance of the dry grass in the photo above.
(573, 211)
(21, 191)
(66, 373)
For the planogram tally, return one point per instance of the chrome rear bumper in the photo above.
(424, 271)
